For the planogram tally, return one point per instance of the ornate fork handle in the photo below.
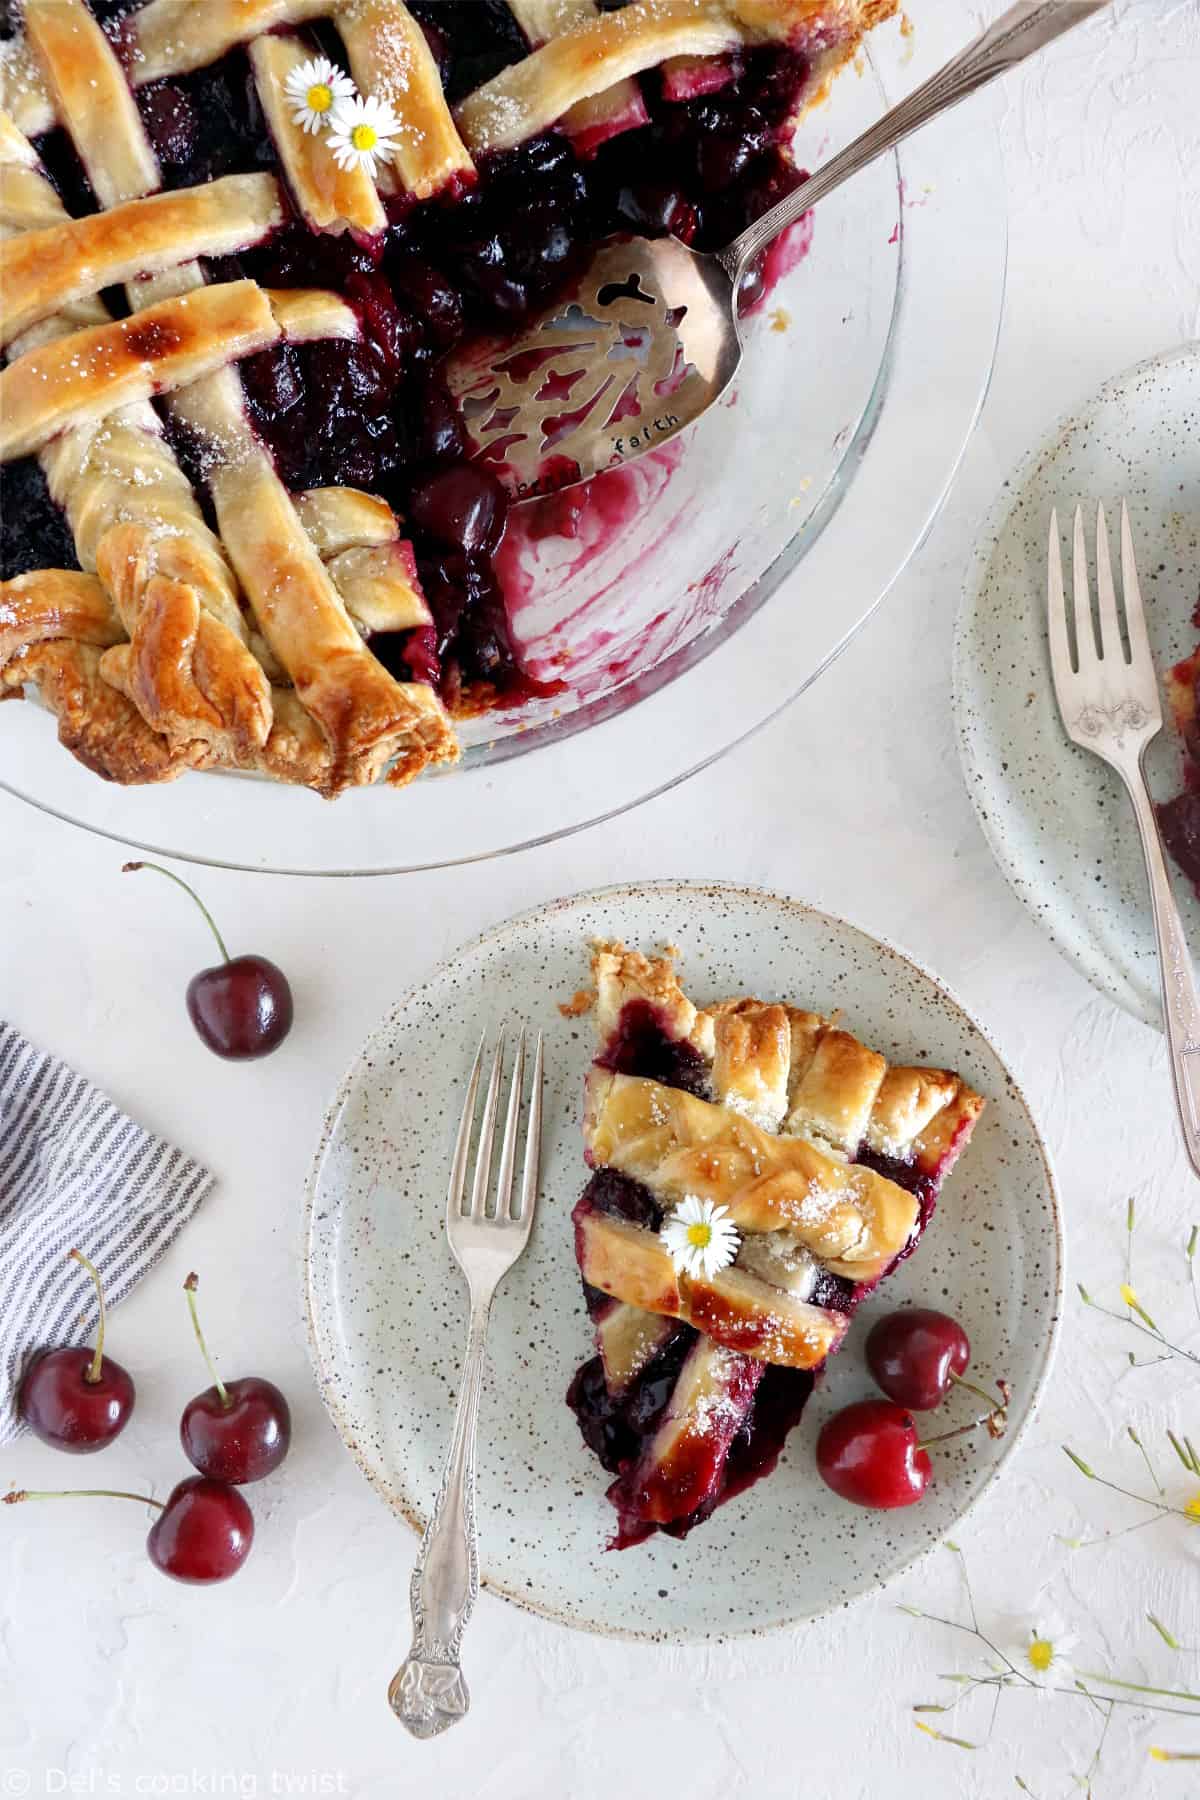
(1181, 1002)
(428, 1692)
(1026, 27)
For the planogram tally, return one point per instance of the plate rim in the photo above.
(1089, 962)
(789, 904)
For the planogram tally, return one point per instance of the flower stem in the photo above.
(1134, 1687)
(189, 1288)
(1150, 1331)
(1135, 1439)
(1159, 1506)
(93, 1373)
(130, 868)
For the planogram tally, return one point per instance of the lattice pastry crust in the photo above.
(244, 648)
(793, 1102)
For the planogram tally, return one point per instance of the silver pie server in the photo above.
(428, 1692)
(649, 337)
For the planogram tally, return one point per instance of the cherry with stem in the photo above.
(203, 1531)
(870, 1452)
(235, 1431)
(77, 1399)
(242, 1006)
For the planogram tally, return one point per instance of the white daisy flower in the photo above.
(363, 133)
(314, 89)
(701, 1237)
(1045, 1646)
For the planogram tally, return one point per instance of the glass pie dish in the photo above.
(647, 608)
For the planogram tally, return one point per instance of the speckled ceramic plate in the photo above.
(1057, 822)
(387, 1304)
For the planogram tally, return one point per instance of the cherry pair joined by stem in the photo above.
(242, 1006)
(870, 1452)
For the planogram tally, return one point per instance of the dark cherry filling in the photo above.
(618, 1428)
(1179, 822)
(640, 1046)
(375, 414)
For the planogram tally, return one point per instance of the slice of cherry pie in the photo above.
(1179, 817)
(239, 526)
(827, 1161)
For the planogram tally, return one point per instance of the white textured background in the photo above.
(114, 1681)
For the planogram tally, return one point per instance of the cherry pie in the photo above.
(222, 395)
(828, 1161)
(1179, 817)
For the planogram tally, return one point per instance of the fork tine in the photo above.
(508, 1147)
(487, 1133)
(462, 1143)
(533, 1141)
(1131, 594)
(1056, 606)
(1110, 626)
(1085, 632)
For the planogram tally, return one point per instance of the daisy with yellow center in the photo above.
(1192, 1507)
(314, 89)
(1045, 1654)
(701, 1238)
(363, 133)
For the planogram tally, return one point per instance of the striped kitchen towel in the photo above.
(74, 1173)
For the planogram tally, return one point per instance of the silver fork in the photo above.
(428, 1691)
(1108, 698)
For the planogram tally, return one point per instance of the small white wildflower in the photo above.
(363, 133)
(701, 1238)
(314, 88)
(1045, 1649)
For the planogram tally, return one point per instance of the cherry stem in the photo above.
(18, 1494)
(979, 1393)
(189, 1288)
(130, 868)
(93, 1373)
(999, 1413)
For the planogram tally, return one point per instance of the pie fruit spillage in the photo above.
(829, 1161)
(238, 522)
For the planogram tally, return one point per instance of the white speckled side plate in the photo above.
(1055, 817)
(386, 1303)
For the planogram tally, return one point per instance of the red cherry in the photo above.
(869, 1453)
(242, 1006)
(76, 1399)
(916, 1354)
(464, 506)
(241, 1438)
(203, 1533)
(238, 1430)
